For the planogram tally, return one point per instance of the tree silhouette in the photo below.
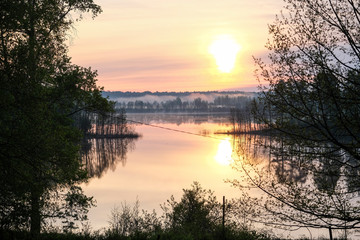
(311, 105)
(41, 90)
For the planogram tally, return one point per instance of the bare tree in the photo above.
(312, 108)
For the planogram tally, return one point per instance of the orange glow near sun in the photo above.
(225, 49)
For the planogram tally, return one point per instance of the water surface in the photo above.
(163, 162)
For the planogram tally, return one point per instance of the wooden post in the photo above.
(330, 233)
(223, 219)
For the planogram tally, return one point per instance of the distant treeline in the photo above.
(220, 104)
(181, 102)
(120, 94)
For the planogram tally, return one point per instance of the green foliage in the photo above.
(130, 221)
(198, 215)
(41, 90)
(194, 217)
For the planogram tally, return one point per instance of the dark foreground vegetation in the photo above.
(198, 215)
(241, 235)
(42, 96)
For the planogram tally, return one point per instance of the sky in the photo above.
(174, 45)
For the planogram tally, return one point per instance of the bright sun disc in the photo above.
(223, 155)
(224, 49)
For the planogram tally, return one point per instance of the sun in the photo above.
(224, 49)
(223, 155)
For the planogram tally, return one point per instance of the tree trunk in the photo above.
(35, 193)
(35, 218)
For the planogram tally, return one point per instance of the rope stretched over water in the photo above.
(175, 130)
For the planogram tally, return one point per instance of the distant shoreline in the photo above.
(171, 93)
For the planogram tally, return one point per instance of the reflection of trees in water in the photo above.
(285, 165)
(255, 149)
(325, 165)
(313, 187)
(107, 140)
(101, 154)
(248, 147)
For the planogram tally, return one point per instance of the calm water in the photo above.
(165, 160)
(161, 163)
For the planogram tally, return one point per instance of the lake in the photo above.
(162, 162)
(174, 150)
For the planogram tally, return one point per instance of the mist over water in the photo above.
(185, 97)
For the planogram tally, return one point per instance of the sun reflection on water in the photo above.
(224, 153)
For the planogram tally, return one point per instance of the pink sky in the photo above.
(162, 45)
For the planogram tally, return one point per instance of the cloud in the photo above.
(145, 64)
